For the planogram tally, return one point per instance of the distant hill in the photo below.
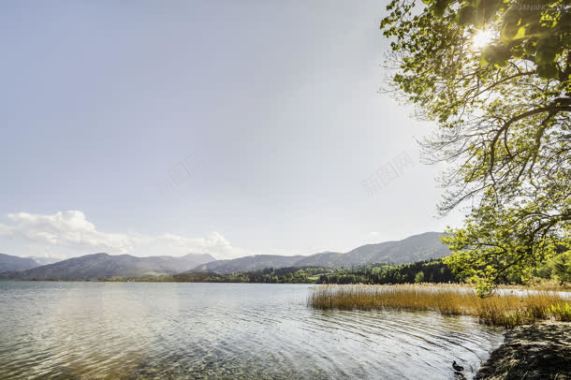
(44, 260)
(421, 247)
(323, 259)
(10, 263)
(248, 264)
(103, 265)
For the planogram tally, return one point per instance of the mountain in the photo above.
(44, 260)
(248, 264)
(103, 265)
(10, 263)
(414, 248)
(323, 259)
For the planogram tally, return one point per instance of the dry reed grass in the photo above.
(507, 310)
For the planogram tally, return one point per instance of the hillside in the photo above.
(9, 263)
(420, 247)
(102, 265)
(323, 259)
(248, 264)
(415, 248)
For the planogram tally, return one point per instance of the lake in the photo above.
(75, 330)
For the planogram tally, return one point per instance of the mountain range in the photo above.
(414, 248)
(102, 265)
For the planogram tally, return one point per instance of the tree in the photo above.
(558, 268)
(495, 75)
(562, 268)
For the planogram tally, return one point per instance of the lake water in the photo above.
(221, 331)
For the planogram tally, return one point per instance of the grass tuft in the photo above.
(507, 310)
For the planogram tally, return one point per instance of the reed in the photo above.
(509, 309)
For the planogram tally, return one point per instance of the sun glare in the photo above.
(482, 38)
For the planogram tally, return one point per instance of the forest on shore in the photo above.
(556, 271)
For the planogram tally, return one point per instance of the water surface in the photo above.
(229, 331)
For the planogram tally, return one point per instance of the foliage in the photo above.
(268, 275)
(495, 248)
(430, 271)
(433, 271)
(557, 268)
(423, 271)
(504, 115)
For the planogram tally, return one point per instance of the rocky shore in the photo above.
(538, 351)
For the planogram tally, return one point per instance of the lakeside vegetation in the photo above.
(507, 310)
(434, 271)
(423, 271)
(554, 275)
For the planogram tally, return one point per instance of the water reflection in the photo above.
(250, 331)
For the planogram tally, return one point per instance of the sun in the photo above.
(482, 38)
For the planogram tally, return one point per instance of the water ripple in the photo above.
(222, 331)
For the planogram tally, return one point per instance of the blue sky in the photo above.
(232, 127)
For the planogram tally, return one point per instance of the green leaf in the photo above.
(520, 33)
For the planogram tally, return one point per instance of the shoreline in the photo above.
(565, 289)
(537, 351)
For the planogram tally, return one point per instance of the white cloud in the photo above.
(69, 233)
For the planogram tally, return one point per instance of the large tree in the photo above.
(495, 75)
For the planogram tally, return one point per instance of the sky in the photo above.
(226, 127)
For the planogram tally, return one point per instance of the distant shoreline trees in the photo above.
(429, 271)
